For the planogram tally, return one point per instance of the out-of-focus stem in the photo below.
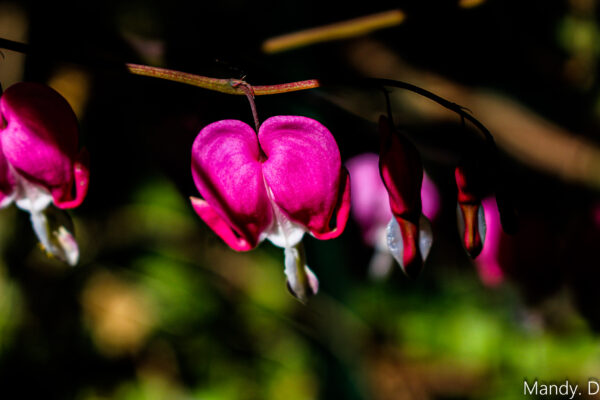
(341, 30)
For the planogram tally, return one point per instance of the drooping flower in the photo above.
(41, 167)
(409, 233)
(276, 185)
(371, 208)
(488, 261)
(471, 217)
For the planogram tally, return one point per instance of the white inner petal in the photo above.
(30, 196)
(283, 232)
(481, 223)
(54, 231)
(460, 222)
(52, 226)
(394, 241)
(302, 282)
(396, 245)
(381, 262)
(425, 236)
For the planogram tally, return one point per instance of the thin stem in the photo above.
(388, 106)
(341, 30)
(237, 86)
(460, 110)
(227, 86)
(247, 88)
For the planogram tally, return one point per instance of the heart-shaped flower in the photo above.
(40, 162)
(277, 184)
(409, 233)
(371, 209)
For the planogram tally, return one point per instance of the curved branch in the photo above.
(236, 86)
(457, 108)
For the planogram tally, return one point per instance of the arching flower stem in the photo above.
(249, 90)
(237, 86)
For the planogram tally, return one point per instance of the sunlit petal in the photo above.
(228, 174)
(303, 170)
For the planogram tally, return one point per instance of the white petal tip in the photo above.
(53, 228)
(302, 283)
(396, 245)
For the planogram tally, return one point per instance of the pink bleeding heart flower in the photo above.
(409, 234)
(276, 185)
(370, 201)
(488, 262)
(471, 217)
(40, 163)
(371, 208)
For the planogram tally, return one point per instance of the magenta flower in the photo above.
(488, 261)
(370, 201)
(371, 208)
(409, 233)
(276, 185)
(40, 163)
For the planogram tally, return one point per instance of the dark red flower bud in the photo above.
(471, 218)
(409, 236)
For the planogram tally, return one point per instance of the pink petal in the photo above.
(62, 195)
(219, 225)
(7, 179)
(370, 202)
(303, 171)
(488, 262)
(228, 174)
(430, 198)
(342, 210)
(40, 138)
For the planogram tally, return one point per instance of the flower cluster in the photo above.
(278, 183)
(41, 168)
(393, 202)
(287, 179)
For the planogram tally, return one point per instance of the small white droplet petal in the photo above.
(394, 241)
(313, 281)
(481, 223)
(301, 281)
(396, 245)
(382, 262)
(54, 231)
(460, 221)
(380, 265)
(425, 236)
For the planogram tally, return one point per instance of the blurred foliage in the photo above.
(160, 308)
